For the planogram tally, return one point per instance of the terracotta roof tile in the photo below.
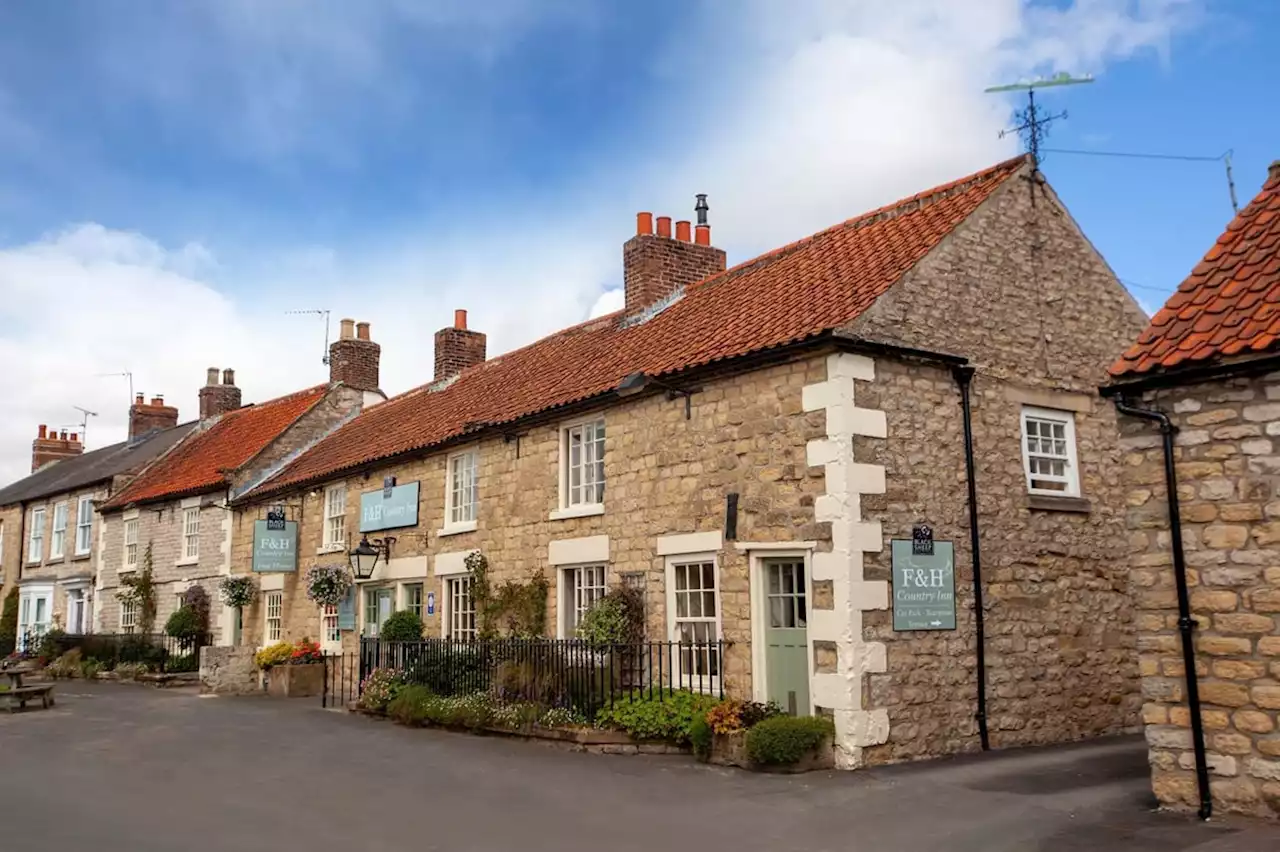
(793, 293)
(1229, 303)
(201, 462)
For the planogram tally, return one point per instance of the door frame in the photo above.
(757, 553)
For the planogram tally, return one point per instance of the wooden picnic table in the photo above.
(18, 695)
(15, 675)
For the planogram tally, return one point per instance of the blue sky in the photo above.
(177, 176)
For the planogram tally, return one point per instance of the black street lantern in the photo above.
(364, 558)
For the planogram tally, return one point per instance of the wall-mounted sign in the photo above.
(922, 539)
(347, 611)
(431, 603)
(389, 508)
(275, 519)
(388, 485)
(275, 550)
(924, 586)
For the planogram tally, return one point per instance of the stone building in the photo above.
(175, 514)
(50, 533)
(1206, 372)
(753, 446)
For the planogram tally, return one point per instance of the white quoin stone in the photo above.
(846, 481)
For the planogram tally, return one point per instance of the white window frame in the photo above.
(705, 681)
(573, 595)
(129, 557)
(128, 616)
(405, 592)
(58, 535)
(272, 624)
(28, 598)
(84, 525)
(35, 538)
(190, 534)
(335, 518)
(1071, 478)
(453, 624)
(584, 498)
(461, 516)
(330, 633)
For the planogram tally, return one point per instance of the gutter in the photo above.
(1192, 375)
(963, 374)
(1186, 624)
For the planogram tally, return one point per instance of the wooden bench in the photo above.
(19, 696)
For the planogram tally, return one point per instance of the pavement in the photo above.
(125, 768)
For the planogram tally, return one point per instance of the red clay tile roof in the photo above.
(201, 462)
(793, 293)
(1229, 305)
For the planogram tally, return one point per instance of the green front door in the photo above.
(786, 637)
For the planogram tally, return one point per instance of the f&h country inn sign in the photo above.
(389, 507)
(924, 584)
(275, 544)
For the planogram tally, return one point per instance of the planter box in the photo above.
(296, 681)
(731, 750)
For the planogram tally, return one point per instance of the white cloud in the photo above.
(791, 116)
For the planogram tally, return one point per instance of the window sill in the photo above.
(80, 557)
(456, 529)
(578, 512)
(1046, 503)
(330, 548)
(129, 569)
(187, 560)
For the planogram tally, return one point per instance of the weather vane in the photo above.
(1033, 122)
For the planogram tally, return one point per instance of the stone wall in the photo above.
(1228, 466)
(11, 549)
(71, 568)
(229, 671)
(1020, 292)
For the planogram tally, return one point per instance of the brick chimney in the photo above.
(654, 265)
(458, 348)
(1273, 171)
(145, 417)
(50, 447)
(353, 357)
(217, 398)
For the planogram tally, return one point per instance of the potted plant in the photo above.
(292, 671)
(327, 585)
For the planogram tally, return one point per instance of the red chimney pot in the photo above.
(644, 224)
(702, 235)
(44, 430)
(682, 230)
(75, 437)
(460, 319)
(664, 226)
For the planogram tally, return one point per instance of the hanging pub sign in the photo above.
(924, 585)
(390, 507)
(388, 485)
(275, 550)
(275, 519)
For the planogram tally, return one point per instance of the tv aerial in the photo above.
(1033, 122)
(324, 358)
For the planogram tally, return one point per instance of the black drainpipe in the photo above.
(1186, 624)
(963, 376)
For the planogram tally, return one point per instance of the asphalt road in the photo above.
(119, 768)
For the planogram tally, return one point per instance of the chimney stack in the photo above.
(50, 447)
(458, 348)
(655, 265)
(217, 398)
(144, 417)
(1273, 171)
(354, 358)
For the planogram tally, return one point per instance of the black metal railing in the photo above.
(158, 651)
(568, 673)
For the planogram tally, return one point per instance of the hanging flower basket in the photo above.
(327, 585)
(237, 592)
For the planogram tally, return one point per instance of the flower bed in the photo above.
(292, 670)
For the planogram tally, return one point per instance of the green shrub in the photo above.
(454, 668)
(411, 705)
(615, 619)
(130, 671)
(784, 740)
(141, 650)
(185, 625)
(89, 669)
(9, 623)
(562, 717)
(402, 626)
(700, 735)
(53, 645)
(669, 717)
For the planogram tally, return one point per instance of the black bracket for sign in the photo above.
(275, 519)
(922, 540)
